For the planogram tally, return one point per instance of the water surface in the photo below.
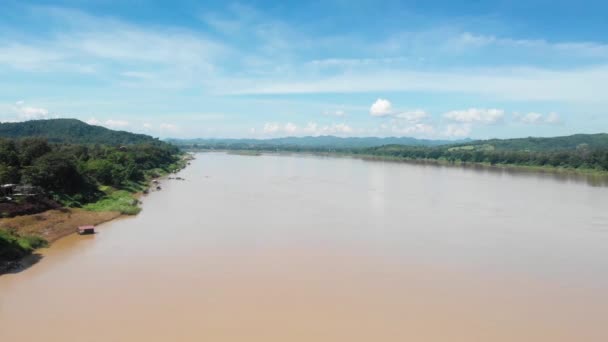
(304, 248)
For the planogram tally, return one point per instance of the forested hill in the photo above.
(576, 152)
(47, 164)
(71, 131)
(571, 142)
(320, 142)
(70, 157)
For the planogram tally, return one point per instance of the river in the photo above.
(304, 248)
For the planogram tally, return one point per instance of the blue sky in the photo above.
(427, 69)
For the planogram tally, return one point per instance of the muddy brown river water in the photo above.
(303, 248)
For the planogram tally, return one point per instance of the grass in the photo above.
(115, 200)
(484, 147)
(14, 246)
(123, 200)
(17, 239)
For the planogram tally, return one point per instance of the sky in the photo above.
(262, 69)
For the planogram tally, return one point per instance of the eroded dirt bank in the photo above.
(57, 223)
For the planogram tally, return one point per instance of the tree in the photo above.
(32, 148)
(56, 172)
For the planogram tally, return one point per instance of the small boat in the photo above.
(83, 230)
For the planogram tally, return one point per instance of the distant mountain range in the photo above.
(71, 131)
(310, 142)
(592, 141)
(77, 132)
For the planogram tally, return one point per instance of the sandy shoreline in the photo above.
(56, 223)
(53, 225)
(50, 225)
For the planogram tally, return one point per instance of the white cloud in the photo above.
(335, 112)
(158, 56)
(168, 127)
(582, 84)
(311, 128)
(93, 121)
(413, 116)
(381, 107)
(585, 49)
(355, 62)
(172, 56)
(475, 115)
(468, 38)
(419, 129)
(340, 128)
(534, 118)
(25, 113)
(531, 118)
(29, 58)
(271, 128)
(457, 131)
(314, 129)
(553, 118)
(147, 126)
(110, 47)
(290, 127)
(33, 113)
(111, 123)
(384, 108)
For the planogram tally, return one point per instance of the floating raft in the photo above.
(82, 230)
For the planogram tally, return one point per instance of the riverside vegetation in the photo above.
(69, 164)
(581, 153)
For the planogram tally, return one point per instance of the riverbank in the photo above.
(498, 166)
(593, 175)
(21, 235)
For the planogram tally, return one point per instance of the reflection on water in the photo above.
(22, 265)
(563, 176)
(558, 175)
(306, 248)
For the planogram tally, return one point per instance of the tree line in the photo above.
(583, 157)
(520, 152)
(78, 170)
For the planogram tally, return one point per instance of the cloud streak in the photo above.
(533, 84)
(534, 118)
(253, 68)
(475, 115)
(310, 129)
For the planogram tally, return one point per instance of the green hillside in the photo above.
(46, 164)
(583, 152)
(571, 142)
(71, 131)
